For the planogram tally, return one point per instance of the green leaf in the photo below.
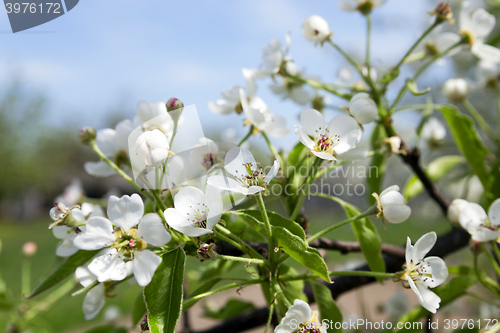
(163, 295)
(436, 170)
(292, 289)
(138, 309)
(298, 249)
(65, 269)
(448, 293)
(368, 237)
(203, 288)
(468, 141)
(254, 217)
(376, 170)
(296, 154)
(107, 329)
(232, 308)
(412, 87)
(328, 309)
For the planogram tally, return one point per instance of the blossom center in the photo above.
(128, 242)
(325, 142)
(253, 177)
(487, 224)
(419, 271)
(200, 215)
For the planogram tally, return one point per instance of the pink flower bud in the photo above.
(29, 249)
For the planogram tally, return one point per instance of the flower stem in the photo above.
(224, 234)
(271, 311)
(480, 121)
(368, 37)
(318, 85)
(95, 148)
(196, 298)
(274, 151)
(403, 89)
(338, 273)
(242, 259)
(371, 211)
(481, 280)
(26, 276)
(281, 294)
(494, 263)
(269, 232)
(246, 136)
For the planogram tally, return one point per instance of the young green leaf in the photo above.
(412, 87)
(254, 217)
(468, 141)
(163, 295)
(65, 269)
(328, 309)
(232, 308)
(298, 249)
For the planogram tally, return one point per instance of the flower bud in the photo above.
(455, 90)
(87, 135)
(454, 210)
(391, 205)
(363, 108)
(318, 103)
(29, 249)
(207, 252)
(152, 147)
(316, 29)
(433, 132)
(443, 13)
(174, 103)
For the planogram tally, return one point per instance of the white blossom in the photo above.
(392, 205)
(456, 90)
(315, 28)
(363, 108)
(476, 26)
(433, 132)
(424, 273)
(67, 234)
(124, 244)
(266, 122)
(288, 88)
(300, 318)
(360, 5)
(155, 116)
(245, 175)
(114, 145)
(482, 227)
(153, 147)
(273, 56)
(488, 73)
(340, 135)
(95, 299)
(72, 193)
(195, 213)
(454, 210)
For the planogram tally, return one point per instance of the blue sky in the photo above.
(104, 56)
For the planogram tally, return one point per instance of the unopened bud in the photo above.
(29, 249)
(318, 103)
(174, 104)
(454, 210)
(456, 90)
(206, 252)
(443, 13)
(87, 134)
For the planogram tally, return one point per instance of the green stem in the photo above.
(26, 276)
(158, 200)
(281, 294)
(480, 121)
(269, 232)
(308, 182)
(368, 37)
(274, 151)
(241, 259)
(196, 298)
(496, 251)
(338, 273)
(371, 211)
(271, 311)
(224, 234)
(347, 57)
(493, 262)
(113, 166)
(246, 136)
(417, 107)
(480, 279)
(318, 85)
(420, 71)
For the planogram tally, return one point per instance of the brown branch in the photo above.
(446, 244)
(349, 246)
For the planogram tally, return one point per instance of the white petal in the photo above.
(471, 214)
(486, 52)
(300, 96)
(482, 23)
(145, 264)
(494, 212)
(93, 301)
(125, 212)
(348, 141)
(188, 199)
(313, 122)
(415, 290)
(98, 169)
(299, 312)
(66, 248)
(430, 300)
(123, 130)
(424, 245)
(109, 266)
(274, 171)
(409, 252)
(236, 160)
(84, 276)
(223, 183)
(437, 268)
(152, 230)
(249, 76)
(98, 234)
(62, 232)
(324, 156)
(106, 141)
(397, 213)
(446, 40)
(306, 141)
(180, 223)
(254, 115)
(221, 106)
(392, 197)
(389, 189)
(342, 125)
